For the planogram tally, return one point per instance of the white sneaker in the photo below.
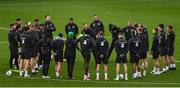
(134, 77)
(97, 78)
(88, 75)
(144, 73)
(138, 75)
(152, 72)
(64, 60)
(156, 73)
(117, 78)
(46, 77)
(163, 71)
(40, 67)
(26, 76)
(142, 66)
(21, 73)
(126, 78)
(106, 78)
(121, 76)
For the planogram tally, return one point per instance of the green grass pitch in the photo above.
(148, 12)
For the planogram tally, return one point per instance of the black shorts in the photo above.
(121, 58)
(155, 54)
(134, 58)
(34, 52)
(143, 54)
(170, 51)
(164, 51)
(26, 53)
(99, 60)
(58, 57)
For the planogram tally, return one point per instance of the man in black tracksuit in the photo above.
(35, 38)
(87, 30)
(71, 46)
(87, 44)
(155, 52)
(144, 49)
(27, 45)
(163, 47)
(128, 29)
(170, 39)
(45, 46)
(13, 46)
(114, 31)
(121, 48)
(49, 26)
(41, 35)
(93, 36)
(102, 48)
(57, 47)
(71, 27)
(97, 25)
(135, 48)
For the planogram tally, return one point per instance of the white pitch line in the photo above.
(118, 82)
(177, 61)
(2, 28)
(4, 42)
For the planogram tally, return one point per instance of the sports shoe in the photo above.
(97, 78)
(86, 77)
(26, 76)
(106, 79)
(126, 78)
(156, 73)
(21, 73)
(144, 73)
(152, 72)
(116, 79)
(121, 76)
(46, 77)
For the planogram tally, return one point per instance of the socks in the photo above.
(158, 69)
(106, 75)
(154, 69)
(117, 76)
(33, 70)
(21, 73)
(126, 75)
(26, 73)
(134, 75)
(172, 66)
(144, 73)
(164, 69)
(57, 74)
(167, 68)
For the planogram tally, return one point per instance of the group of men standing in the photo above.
(32, 46)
